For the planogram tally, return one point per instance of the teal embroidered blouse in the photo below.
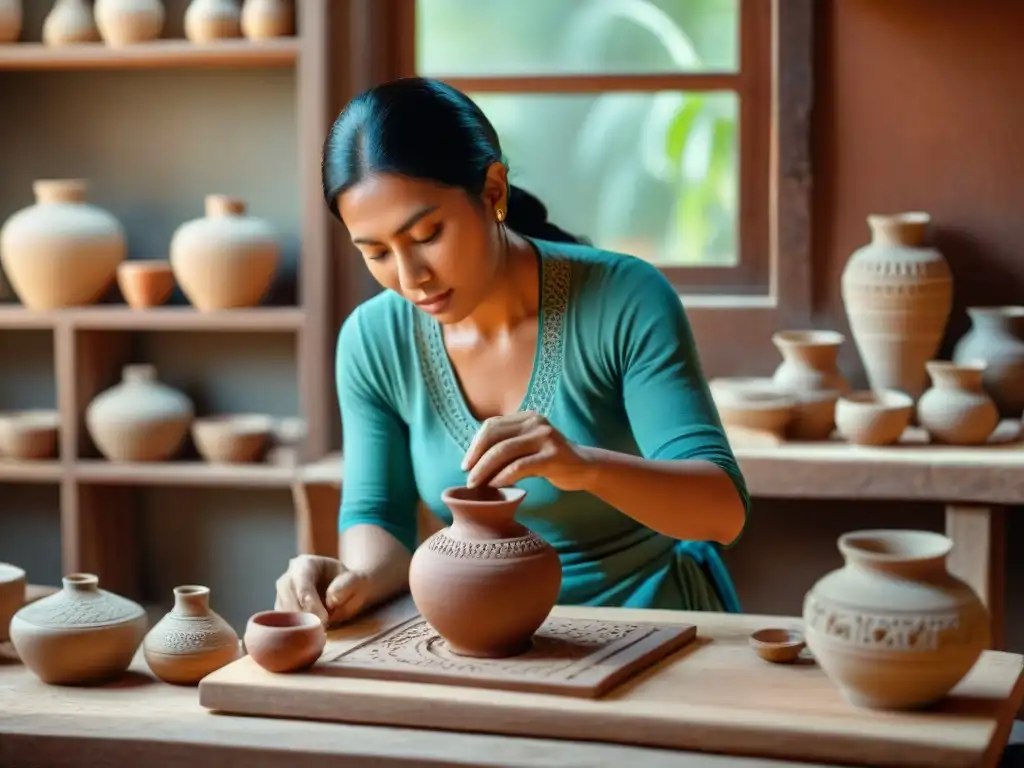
(616, 367)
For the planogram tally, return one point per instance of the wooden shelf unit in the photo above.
(150, 164)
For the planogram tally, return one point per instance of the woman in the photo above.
(505, 352)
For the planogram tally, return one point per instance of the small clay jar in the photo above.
(956, 410)
(125, 22)
(145, 283)
(82, 634)
(191, 641)
(70, 22)
(29, 435)
(12, 595)
(809, 371)
(285, 641)
(210, 20)
(873, 417)
(997, 337)
(486, 583)
(266, 19)
(10, 20)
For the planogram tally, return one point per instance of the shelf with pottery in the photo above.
(184, 473)
(161, 318)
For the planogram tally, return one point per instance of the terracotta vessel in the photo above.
(263, 19)
(124, 22)
(82, 634)
(232, 438)
(209, 20)
(29, 435)
(752, 403)
(898, 294)
(486, 583)
(139, 419)
(997, 337)
(10, 20)
(810, 372)
(893, 628)
(957, 410)
(70, 22)
(12, 595)
(874, 417)
(145, 283)
(284, 641)
(62, 251)
(191, 641)
(226, 259)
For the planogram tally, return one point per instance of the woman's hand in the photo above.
(322, 586)
(524, 444)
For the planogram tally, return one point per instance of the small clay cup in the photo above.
(145, 283)
(779, 646)
(285, 641)
(29, 435)
(231, 438)
(873, 417)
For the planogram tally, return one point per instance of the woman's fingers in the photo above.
(493, 431)
(499, 456)
(303, 578)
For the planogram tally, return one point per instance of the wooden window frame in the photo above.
(733, 310)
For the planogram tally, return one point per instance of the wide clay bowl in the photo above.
(145, 283)
(876, 417)
(753, 403)
(28, 435)
(232, 438)
(285, 641)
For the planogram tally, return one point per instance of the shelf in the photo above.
(30, 471)
(159, 54)
(185, 473)
(124, 318)
(13, 316)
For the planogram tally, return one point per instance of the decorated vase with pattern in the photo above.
(486, 583)
(898, 294)
(892, 628)
(191, 641)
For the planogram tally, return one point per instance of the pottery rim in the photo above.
(237, 423)
(894, 545)
(466, 496)
(1001, 310)
(10, 573)
(749, 393)
(878, 400)
(775, 637)
(807, 338)
(285, 621)
(145, 265)
(36, 418)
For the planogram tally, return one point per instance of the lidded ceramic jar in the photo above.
(892, 628)
(226, 259)
(898, 293)
(997, 337)
(190, 641)
(123, 22)
(70, 22)
(956, 410)
(10, 20)
(139, 419)
(209, 20)
(486, 583)
(62, 251)
(82, 634)
(263, 19)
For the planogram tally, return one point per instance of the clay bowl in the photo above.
(753, 404)
(876, 417)
(145, 283)
(231, 438)
(779, 646)
(284, 641)
(12, 596)
(29, 435)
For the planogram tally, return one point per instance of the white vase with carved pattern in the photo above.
(892, 628)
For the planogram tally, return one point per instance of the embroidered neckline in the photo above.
(439, 375)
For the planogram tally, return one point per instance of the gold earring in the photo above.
(499, 214)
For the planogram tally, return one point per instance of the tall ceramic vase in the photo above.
(10, 20)
(898, 293)
(997, 337)
(486, 583)
(892, 628)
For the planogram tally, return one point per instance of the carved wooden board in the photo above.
(575, 657)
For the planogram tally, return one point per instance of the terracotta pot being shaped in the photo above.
(62, 251)
(82, 634)
(898, 294)
(227, 259)
(264, 19)
(486, 583)
(10, 20)
(70, 22)
(190, 641)
(123, 22)
(956, 410)
(892, 628)
(209, 20)
(139, 419)
(997, 337)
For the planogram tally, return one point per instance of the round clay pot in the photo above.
(227, 259)
(82, 634)
(145, 283)
(231, 438)
(10, 20)
(485, 583)
(892, 628)
(124, 22)
(957, 410)
(874, 417)
(70, 22)
(62, 251)
(265, 19)
(898, 294)
(12, 595)
(810, 373)
(29, 435)
(285, 641)
(753, 403)
(997, 337)
(191, 641)
(139, 419)
(209, 20)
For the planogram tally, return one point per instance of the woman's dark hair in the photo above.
(424, 129)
